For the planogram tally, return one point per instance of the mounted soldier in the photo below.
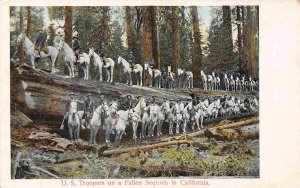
(40, 42)
(71, 107)
(127, 103)
(76, 47)
(131, 60)
(102, 53)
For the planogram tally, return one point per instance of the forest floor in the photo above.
(233, 154)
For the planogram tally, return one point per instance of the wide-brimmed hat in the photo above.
(89, 94)
(75, 37)
(71, 94)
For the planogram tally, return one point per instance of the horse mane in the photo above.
(68, 48)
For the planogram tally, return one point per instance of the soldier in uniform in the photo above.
(40, 41)
(102, 53)
(76, 47)
(127, 103)
(71, 107)
(131, 59)
(88, 108)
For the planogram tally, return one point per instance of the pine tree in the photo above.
(68, 25)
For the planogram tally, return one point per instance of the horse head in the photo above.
(113, 107)
(105, 110)
(91, 52)
(169, 68)
(119, 60)
(21, 37)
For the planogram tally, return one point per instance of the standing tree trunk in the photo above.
(129, 28)
(147, 37)
(28, 20)
(238, 18)
(20, 47)
(251, 41)
(227, 37)
(227, 24)
(244, 42)
(155, 43)
(175, 40)
(68, 25)
(196, 47)
(105, 26)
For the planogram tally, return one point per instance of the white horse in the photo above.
(156, 119)
(153, 75)
(109, 66)
(109, 118)
(121, 122)
(189, 79)
(232, 83)
(31, 53)
(170, 78)
(210, 82)
(204, 79)
(138, 114)
(137, 70)
(70, 59)
(186, 115)
(178, 116)
(226, 82)
(95, 123)
(237, 84)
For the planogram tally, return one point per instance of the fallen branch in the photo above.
(145, 148)
(44, 171)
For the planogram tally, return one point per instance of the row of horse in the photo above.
(232, 83)
(155, 77)
(178, 115)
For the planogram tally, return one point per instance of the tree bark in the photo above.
(196, 47)
(251, 41)
(20, 47)
(105, 26)
(155, 43)
(147, 37)
(244, 41)
(129, 28)
(28, 20)
(227, 24)
(175, 41)
(68, 25)
(238, 18)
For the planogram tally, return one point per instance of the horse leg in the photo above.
(53, 59)
(170, 127)
(141, 78)
(108, 75)
(111, 74)
(117, 136)
(91, 134)
(32, 61)
(201, 120)
(134, 128)
(107, 133)
(95, 134)
(70, 131)
(87, 71)
(177, 127)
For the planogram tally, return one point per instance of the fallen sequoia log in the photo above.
(41, 95)
(178, 140)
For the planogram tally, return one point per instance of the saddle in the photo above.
(134, 66)
(44, 49)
